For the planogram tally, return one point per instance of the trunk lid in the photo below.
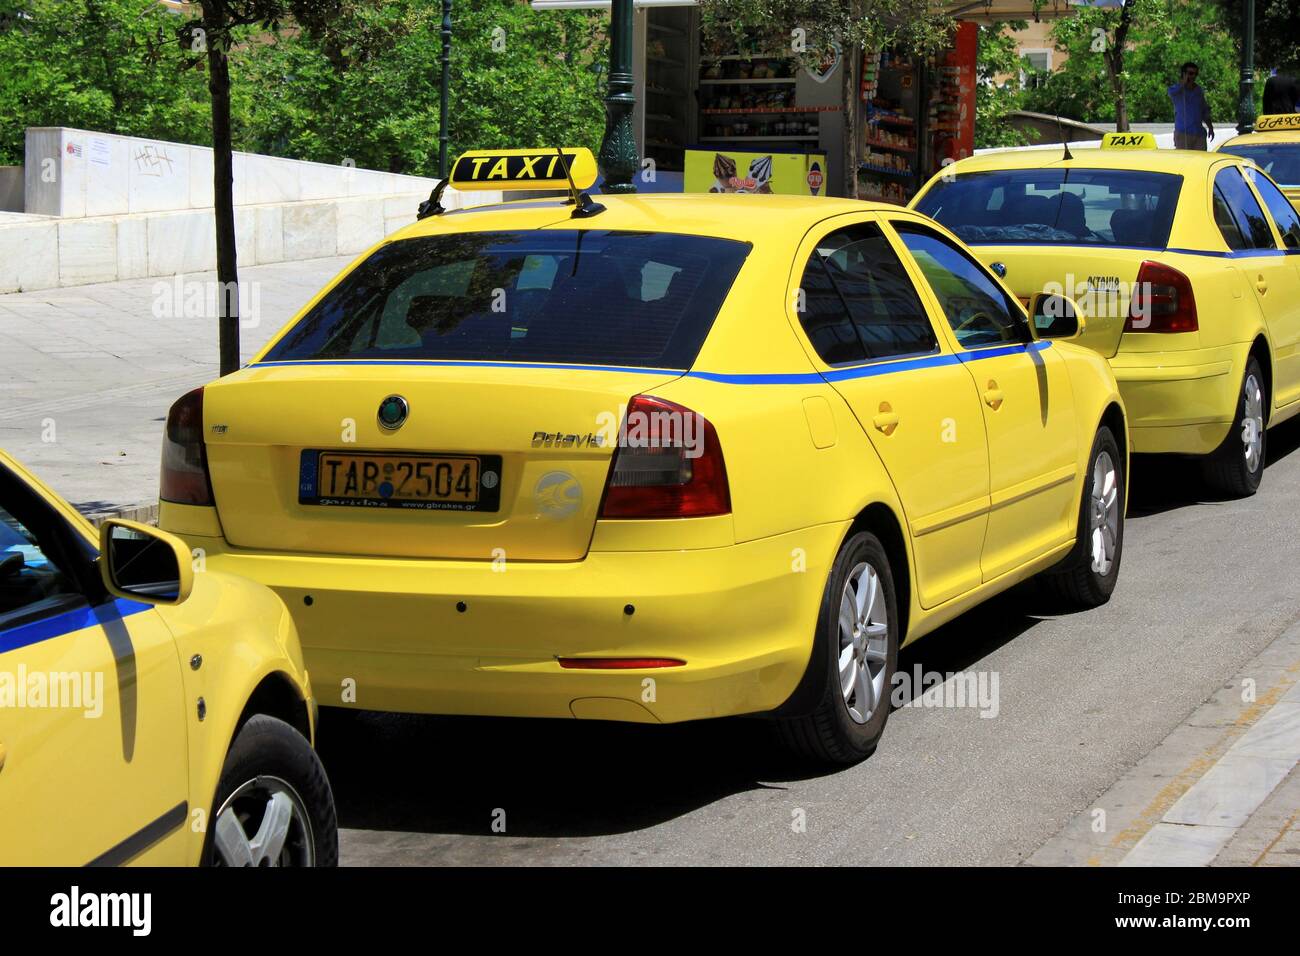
(1099, 279)
(546, 432)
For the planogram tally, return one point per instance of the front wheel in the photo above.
(1236, 467)
(1088, 574)
(274, 806)
(856, 646)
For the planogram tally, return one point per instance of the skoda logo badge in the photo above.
(392, 412)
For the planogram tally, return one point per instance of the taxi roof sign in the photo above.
(1275, 121)
(524, 169)
(572, 170)
(1128, 141)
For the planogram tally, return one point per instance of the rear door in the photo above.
(1282, 300)
(1026, 400)
(872, 339)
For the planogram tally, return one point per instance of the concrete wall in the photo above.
(73, 173)
(11, 189)
(100, 208)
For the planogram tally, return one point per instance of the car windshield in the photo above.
(1069, 207)
(637, 299)
(1280, 160)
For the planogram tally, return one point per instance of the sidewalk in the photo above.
(87, 373)
(1222, 790)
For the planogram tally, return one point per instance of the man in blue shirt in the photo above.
(1191, 112)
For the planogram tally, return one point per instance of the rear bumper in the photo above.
(388, 634)
(1179, 402)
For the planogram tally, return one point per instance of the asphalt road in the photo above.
(1205, 585)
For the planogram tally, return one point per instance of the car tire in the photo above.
(845, 726)
(273, 805)
(1236, 467)
(1086, 577)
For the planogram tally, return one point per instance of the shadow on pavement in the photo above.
(1160, 483)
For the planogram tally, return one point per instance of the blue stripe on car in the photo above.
(57, 625)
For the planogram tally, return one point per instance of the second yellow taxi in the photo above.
(653, 458)
(1184, 264)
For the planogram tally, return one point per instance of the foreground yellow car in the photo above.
(1274, 147)
(148, 714)
(1184, 265)
(665, 458)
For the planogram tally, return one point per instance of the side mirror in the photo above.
(141, 563)
(1055, 316)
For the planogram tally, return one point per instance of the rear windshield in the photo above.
(635, 299)
(1068, 207)
(1280, 160)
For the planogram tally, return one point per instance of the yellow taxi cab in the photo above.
(1186, 265)
(1274, 147)
(652, 459)
(149, 714)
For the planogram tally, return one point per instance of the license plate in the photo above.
(399, 480)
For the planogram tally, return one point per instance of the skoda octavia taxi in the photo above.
(652, 459)
(1185, 266)
(149, 714)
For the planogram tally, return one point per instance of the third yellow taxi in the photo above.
(1274, 147)
(1185, 265)
(652, 458)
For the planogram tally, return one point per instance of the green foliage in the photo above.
(1165, 34)
(361, 84)
(369, 91)
(997, 55)
(1277, 39)
(104, 65)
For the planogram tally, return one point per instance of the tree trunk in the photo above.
(1115, 66)
(849, 105)
(223, 185)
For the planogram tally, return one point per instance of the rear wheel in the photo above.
(1087, 576)
(1236, 467)
(856, 645)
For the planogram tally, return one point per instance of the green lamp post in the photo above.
(618, 157)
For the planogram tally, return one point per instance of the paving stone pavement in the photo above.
(87, 373)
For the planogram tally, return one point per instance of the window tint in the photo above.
(974, 305)
(1074, 207)
(1244, 209)
(33, 578)
(1227, 224)
(1284, 214)
(1279, 160)
(858, 302)
(590, 296)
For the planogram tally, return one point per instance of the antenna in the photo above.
(585, 207)
(1065, 144)
(433, 205)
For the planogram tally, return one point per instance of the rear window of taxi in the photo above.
(1068, 207)
(636, 299)
(1280, 160)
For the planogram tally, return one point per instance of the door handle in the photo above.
(993, 395)
(3, 754)
(1261, 285)
(887, 419)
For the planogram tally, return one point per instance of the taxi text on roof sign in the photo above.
(1273, 121)
(524, 169)
(1128, 141)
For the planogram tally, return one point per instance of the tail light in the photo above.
(184, 457)
(1162, 301)
(668, 464)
